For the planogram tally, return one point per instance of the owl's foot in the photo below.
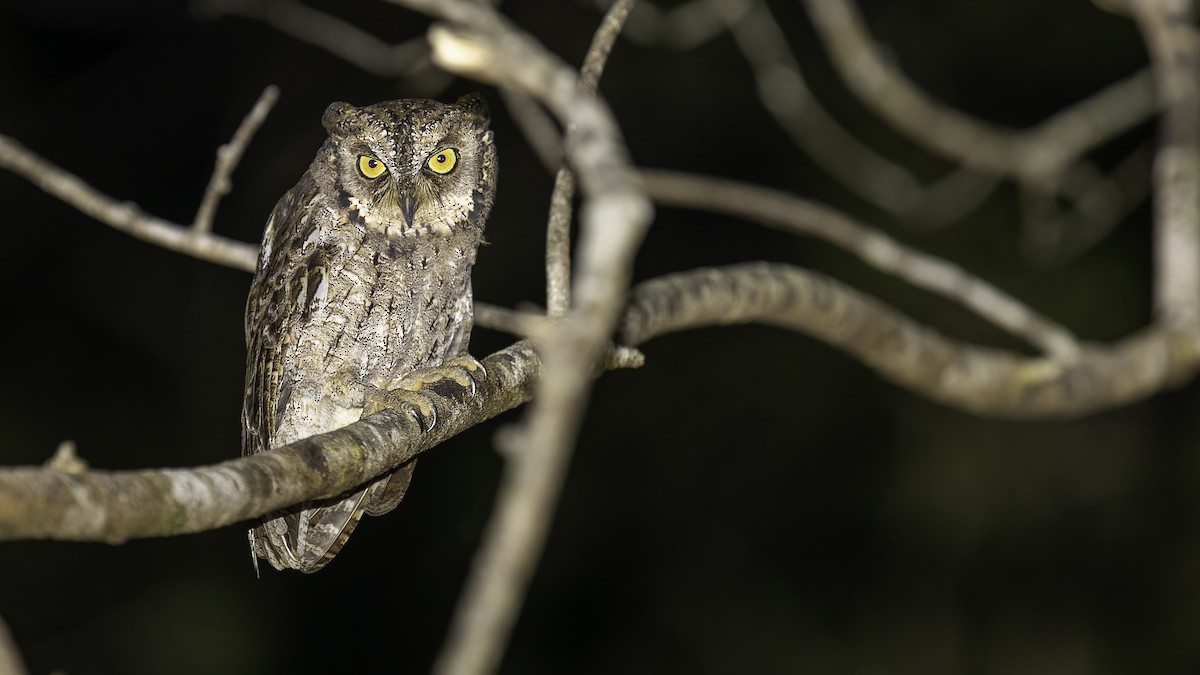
(460, 373)
(416, 404)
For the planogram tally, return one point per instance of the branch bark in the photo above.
(973, 378)
(558, 229)
(78, 504)
(1174, 45)
(614, 216)
(92, 505)
(793, 214)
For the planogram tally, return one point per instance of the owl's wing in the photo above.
(385, 494)
(267, 328)
(306, 537)
(306, 540)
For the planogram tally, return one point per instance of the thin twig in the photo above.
(124, 216)
(229, 155)
(1046, 159)
(933, 274)
(511, 321)
(785, 94)
(558, 243)
(128, 217)
(1031, 156)
(1055, 236)
(685, 26)
(536, 125)
(1070, 133)
(558, 227)
(1168, 27)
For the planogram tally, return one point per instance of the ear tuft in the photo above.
(334, 119)
(474, 104)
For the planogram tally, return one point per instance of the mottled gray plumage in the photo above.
(364, 276)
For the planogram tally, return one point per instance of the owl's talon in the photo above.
(474, 367)
(463, 371)
(415, 404)
(421, 416)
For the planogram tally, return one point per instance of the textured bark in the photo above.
(95, 505)
(973, 378)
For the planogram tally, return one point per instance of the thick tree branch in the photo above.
(67, 501)
(77, 504)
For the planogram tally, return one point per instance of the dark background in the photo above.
(750, 501)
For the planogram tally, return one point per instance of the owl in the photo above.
(364, 275)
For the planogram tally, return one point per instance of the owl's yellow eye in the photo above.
(443, 161)
(370, 167)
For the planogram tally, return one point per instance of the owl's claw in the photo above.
(415, 404)
(475, 372)
(463, 372)
(460, 371)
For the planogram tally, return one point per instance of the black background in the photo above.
(750, 501)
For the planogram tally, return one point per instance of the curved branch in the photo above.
(328, 32)
(786, 95)
(977, 379)
(794, 214)
(536, 125)
(1029, 155)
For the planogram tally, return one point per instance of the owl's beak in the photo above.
(408, 205)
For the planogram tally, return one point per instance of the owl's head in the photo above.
(412, 166)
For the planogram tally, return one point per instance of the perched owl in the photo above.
(364, 276)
